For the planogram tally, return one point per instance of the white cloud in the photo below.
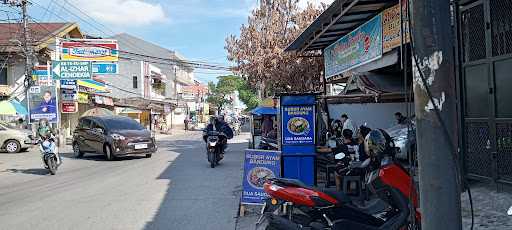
(123, 12)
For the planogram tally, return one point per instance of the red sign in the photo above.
(90, 50)
(69, 107)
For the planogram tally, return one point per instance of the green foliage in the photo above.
(228, 85)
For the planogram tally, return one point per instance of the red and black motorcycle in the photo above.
(294, 205)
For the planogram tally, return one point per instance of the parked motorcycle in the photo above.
(294, 205)
(267, 143)
(214, 146)
(47, 148)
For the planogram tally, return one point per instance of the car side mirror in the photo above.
(98, 130)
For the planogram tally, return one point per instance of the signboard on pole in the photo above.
(90, 50)
(100, 68)
(391, 27)
(359, 47)
(83, 98)
(71, 70)
(69, 107)
(42, 102)
(259, 165)
(41, 75)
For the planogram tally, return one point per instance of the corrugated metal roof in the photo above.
(342, 17)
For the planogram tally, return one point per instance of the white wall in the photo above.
(376, 115)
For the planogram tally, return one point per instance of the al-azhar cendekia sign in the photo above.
(71, 70)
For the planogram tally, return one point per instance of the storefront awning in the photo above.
(89, 83)
(342, 17)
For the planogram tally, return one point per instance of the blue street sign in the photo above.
(104, 68)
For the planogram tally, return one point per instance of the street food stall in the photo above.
(257, 116)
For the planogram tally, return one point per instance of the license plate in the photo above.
(141, 146)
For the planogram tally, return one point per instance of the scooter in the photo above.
(47, 148)
(214, 147)
(293, 205)
(267, 143)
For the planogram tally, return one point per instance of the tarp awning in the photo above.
(260, 110)
(89, 83)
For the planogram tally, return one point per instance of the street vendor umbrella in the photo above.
(96, 112)
(12, 107)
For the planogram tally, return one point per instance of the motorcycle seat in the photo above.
(339, 196)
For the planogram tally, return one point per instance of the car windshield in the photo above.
(123, 124)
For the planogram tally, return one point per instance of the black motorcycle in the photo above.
(215, 146)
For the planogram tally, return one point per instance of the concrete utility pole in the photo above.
(433, 39)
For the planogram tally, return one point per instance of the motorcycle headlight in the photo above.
(212, 143)
(116, 136)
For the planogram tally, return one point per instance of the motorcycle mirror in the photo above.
(509, 211)
(339, 156)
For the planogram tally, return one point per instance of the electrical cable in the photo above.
(455, 158)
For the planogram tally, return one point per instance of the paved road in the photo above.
(175, 189)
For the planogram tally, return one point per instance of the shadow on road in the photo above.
(36, 171)
(99, 157)
(199, 197)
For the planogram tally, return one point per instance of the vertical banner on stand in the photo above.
(259, 165)
(43, 104)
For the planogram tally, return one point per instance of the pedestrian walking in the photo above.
(186, 123)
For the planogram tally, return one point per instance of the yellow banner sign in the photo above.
(391, 27)
(83, 98)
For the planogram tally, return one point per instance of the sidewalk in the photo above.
(490, 207)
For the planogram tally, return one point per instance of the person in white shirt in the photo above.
(348, 124)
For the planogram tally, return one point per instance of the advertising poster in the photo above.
(43, 104)
(90, 50)
(41, 75)
(359, 47)
(391, 27)
(298, 125)
(259, 165)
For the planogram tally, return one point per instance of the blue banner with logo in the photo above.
(298, 124)
(259, 165)
(359, 47)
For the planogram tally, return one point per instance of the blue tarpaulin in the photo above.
(260, 110)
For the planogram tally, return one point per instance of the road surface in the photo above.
(175, 189)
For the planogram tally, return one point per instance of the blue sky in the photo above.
(194, 28)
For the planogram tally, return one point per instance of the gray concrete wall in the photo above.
(124, 80)
(376, 115)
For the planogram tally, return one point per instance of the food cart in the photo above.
(256, 122)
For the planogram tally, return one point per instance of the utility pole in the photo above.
(435, 104)
(26, 45)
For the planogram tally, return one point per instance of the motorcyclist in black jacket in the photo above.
(218, 124)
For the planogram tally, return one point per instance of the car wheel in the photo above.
(148, 155)
(108, 153)
(12, 146)
(76, 151)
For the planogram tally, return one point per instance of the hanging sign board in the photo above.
(69, 107)
(101, 68)
(42, 104)
(259, 165)
(41, 75)
(83, 98)
(90, 50)
(359, 47)
(391, 27)
(71, 70)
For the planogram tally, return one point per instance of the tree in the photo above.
(259, 50)
(226, 86)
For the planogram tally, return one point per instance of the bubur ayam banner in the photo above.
(298, 124)
(360, 46)
(259, 165)
(90, 50)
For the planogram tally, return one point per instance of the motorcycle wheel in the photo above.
(52, 165)
(211, 159)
